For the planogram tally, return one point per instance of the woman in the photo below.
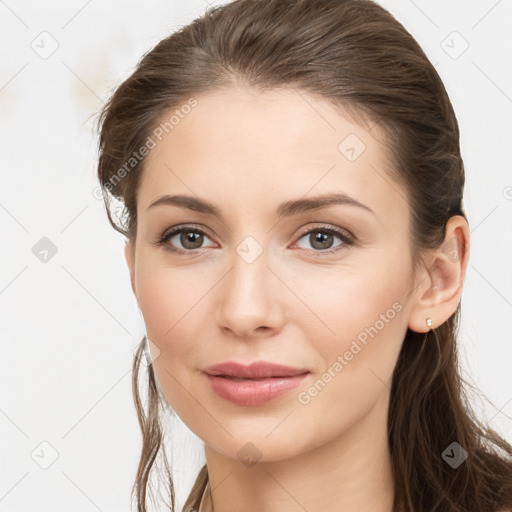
(291, 183)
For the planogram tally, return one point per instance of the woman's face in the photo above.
(262, 279)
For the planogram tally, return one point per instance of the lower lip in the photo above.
(253, 392)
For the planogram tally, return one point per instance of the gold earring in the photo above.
(429, 322)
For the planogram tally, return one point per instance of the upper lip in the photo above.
(259, 369)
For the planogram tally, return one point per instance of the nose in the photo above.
(250, 300)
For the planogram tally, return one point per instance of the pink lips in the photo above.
(255, 384)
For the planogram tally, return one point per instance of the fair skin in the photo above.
(247, 152)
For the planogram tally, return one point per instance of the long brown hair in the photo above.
(358, 56)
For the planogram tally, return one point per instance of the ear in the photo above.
(129, 255)
(438, 291)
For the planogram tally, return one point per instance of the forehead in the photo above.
(250, 149)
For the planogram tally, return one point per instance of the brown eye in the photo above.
(191, 239)
(183, 239)
(321, 239)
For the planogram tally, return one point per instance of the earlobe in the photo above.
(439, 292)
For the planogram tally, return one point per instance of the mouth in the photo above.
(257, 379)
(256, 371)
(254, 384)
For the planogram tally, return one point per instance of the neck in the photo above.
(352, 472)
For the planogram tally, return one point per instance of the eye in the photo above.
(321, 239)
(191, 238)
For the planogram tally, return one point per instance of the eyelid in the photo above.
(341, 232)
(180, 227)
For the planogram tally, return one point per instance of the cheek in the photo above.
(340, 303)
(368, 317)
(357, 328)
(173, 301)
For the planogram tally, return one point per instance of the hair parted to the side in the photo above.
(359, 57)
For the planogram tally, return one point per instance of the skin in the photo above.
(248, 152)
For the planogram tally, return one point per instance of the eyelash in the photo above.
(344, 236)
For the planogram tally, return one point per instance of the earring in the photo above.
(429, 322)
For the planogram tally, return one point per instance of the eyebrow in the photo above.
(286, 209)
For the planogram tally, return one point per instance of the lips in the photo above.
(255, 384)
(257, 370)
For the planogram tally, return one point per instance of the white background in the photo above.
(69, 325)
